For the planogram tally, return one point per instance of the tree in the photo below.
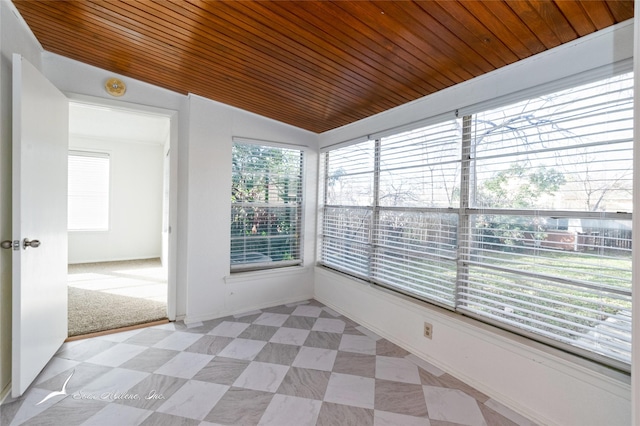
(515, 188)
(265, 192)
(518, 188)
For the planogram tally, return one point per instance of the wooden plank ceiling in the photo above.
(316, 65)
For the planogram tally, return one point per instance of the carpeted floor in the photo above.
(110, 295)
(91, 311)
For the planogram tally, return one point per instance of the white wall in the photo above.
(205, 129)
(15, 37)
(212, 291)
(543, 384)
(135, 209)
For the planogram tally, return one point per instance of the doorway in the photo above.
(119, 178)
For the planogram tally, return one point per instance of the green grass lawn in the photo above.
(555, 301)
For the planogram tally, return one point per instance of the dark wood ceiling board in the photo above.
(115, 47)
(258, 73)
(257, 69)
(301, 57)
(174, 79)
(80, 17)
(534, 21)
(500, 29)
(316, 47)
(579, 19)
(369, 75)
(476, 35)
(379, 47)
(383, 77)
(316, 65)
(426, 14)
(423, 16)
(345, 110)
(352, 43)
(122, 66)
(252, 58)
(504, 14)
(598, 12)
(299, 69)
(91, 29)
(555, 19)
(420, 62)
(55, 35)
(426, 44)
(149, 37)
(147, 53)
(424, 59)
(621, 9)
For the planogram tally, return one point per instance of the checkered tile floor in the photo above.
(298, 364)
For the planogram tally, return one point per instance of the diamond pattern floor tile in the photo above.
(296, 364)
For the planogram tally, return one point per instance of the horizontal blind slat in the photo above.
(541, 242)
(266, 206)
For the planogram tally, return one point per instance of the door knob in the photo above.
(33, 243)
(7, 244)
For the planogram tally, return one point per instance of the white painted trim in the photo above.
(119, 140)
(133, 107)
(199, 318)
(263, 142)
(635, 280)
(174, 132)
(120, 259)
(242, 277)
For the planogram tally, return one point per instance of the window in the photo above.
(88, 191)
(519, 216)
(266, 206)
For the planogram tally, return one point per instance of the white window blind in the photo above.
(416, 235)
(347, 216)
(519, 216)
(550, 231)
(88, 191)
(266, 206)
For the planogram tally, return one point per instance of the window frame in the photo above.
(96, 154)
(465, 211)
(266, 262)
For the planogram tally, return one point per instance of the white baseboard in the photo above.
(118, 259)
(188, 319)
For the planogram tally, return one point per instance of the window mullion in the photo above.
(326, 179)
(464, 236)
(375, 220)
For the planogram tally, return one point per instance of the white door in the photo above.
(40, 147)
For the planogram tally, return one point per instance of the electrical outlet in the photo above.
(428, 330)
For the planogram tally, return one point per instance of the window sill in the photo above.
(240, 276)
